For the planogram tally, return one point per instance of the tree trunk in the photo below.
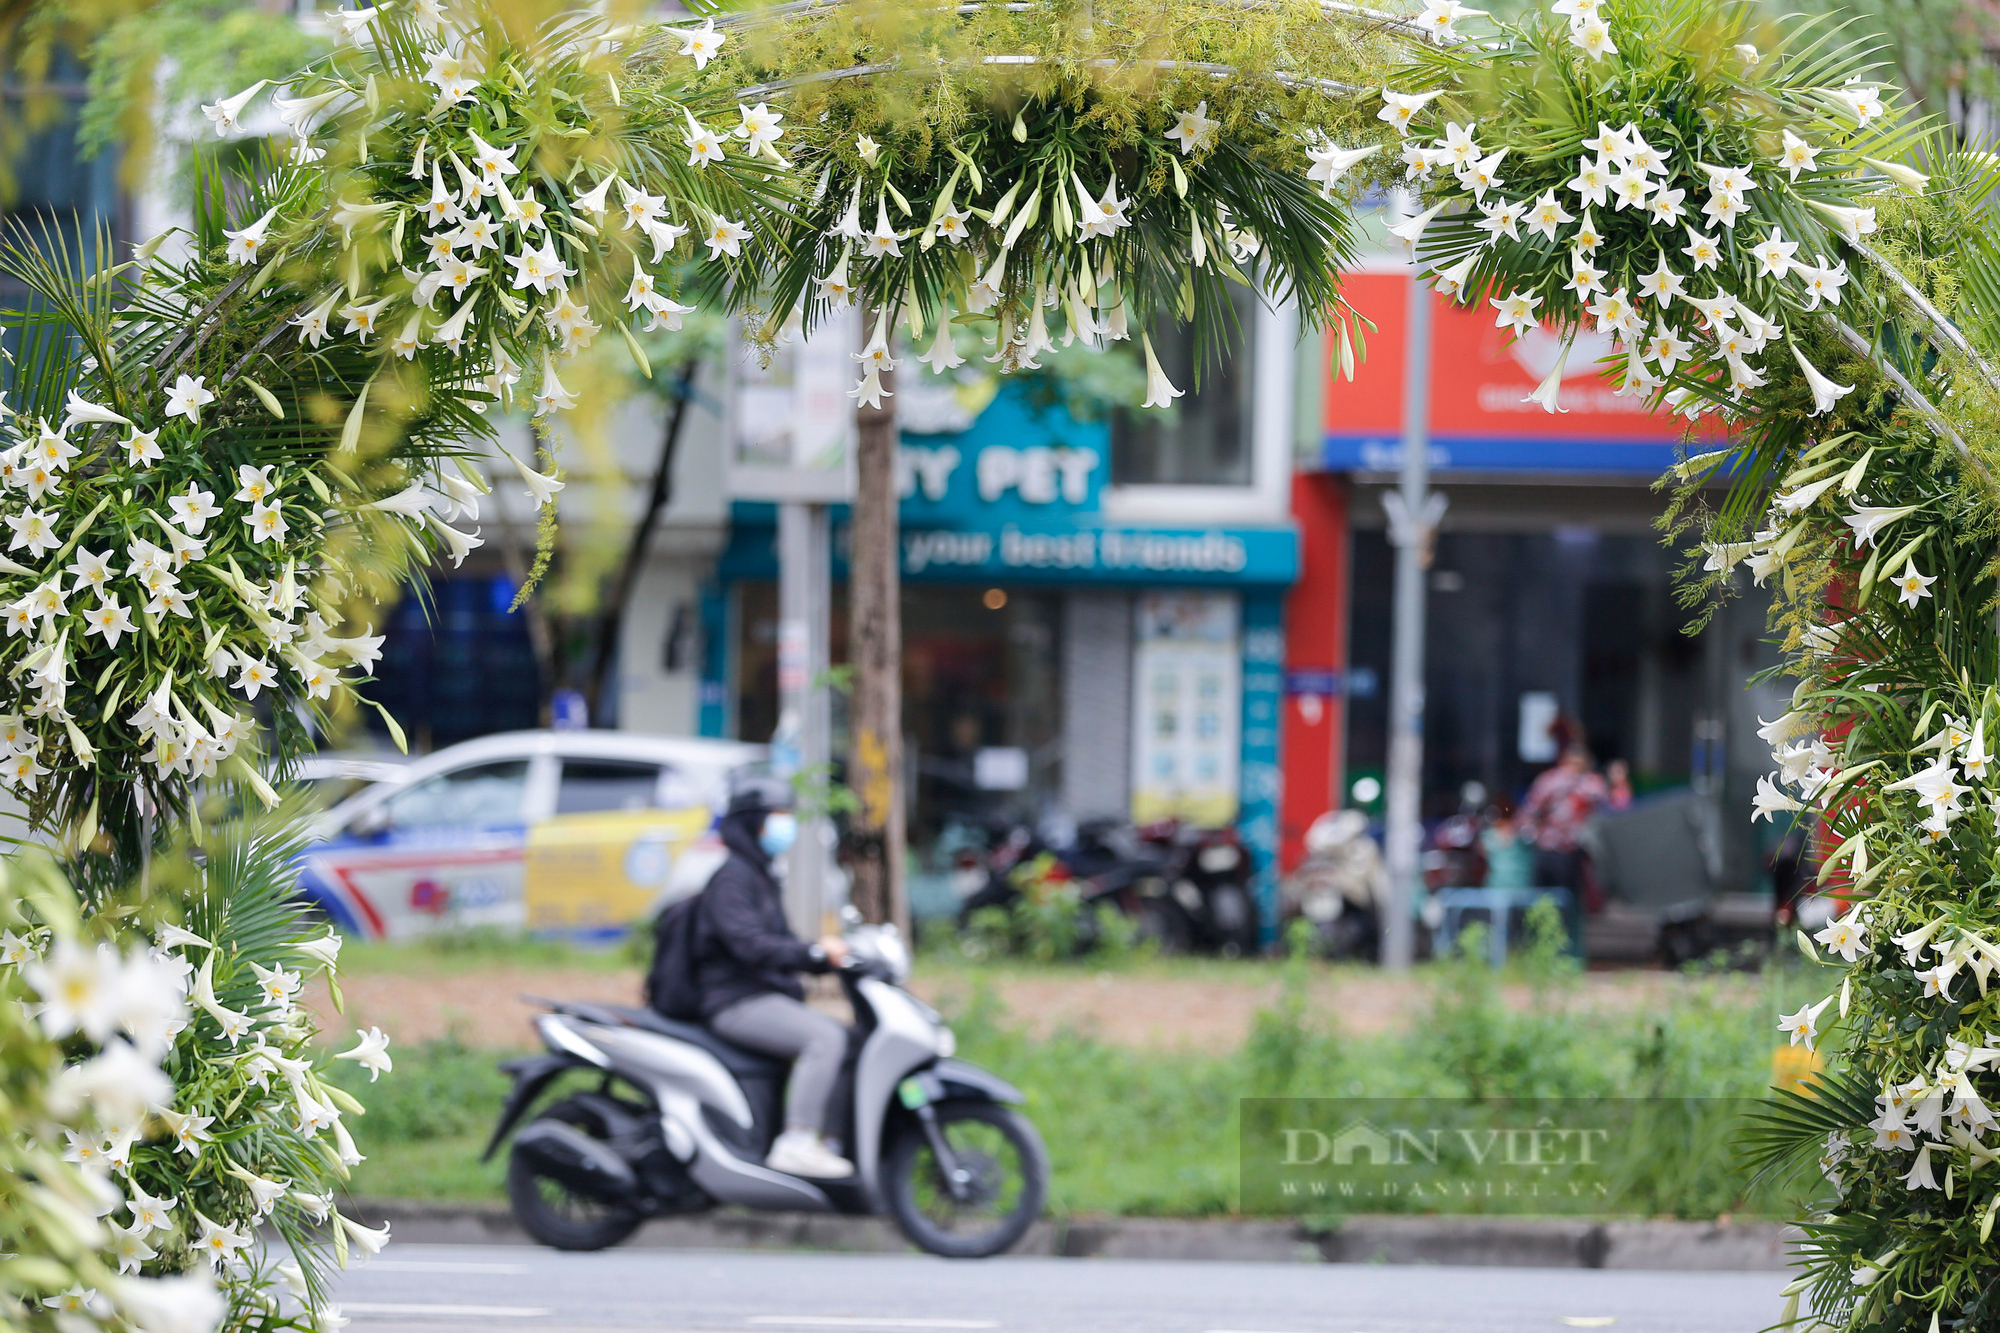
(875, 766)
(611, 625)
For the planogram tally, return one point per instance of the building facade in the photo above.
(1552, 612)
(1093, 613)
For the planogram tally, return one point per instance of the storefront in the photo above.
(1552, 608)
(1060, 662)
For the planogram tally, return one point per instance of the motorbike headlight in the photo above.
(947, 1045)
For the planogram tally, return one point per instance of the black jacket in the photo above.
(745, 947)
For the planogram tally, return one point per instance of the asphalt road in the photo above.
(506, 1289)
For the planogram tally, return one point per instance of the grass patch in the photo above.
(479, 948)
(1141, 1132)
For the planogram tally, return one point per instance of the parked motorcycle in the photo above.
(679, 1121)
(1339, 886)
(1190, 889)
(1186, 888)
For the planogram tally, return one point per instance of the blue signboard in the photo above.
(1262, 780)
(1644, 458)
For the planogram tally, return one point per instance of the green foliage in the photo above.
(442, 1090)
(1942, 49)
(47, 1205)
(244, 1130)
(1092, 1099)
(157, 66)
(1020, 116)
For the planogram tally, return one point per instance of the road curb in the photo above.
(1489, 1241)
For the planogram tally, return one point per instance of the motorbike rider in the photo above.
(747, 966)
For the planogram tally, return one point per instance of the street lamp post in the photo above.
(1413, 514)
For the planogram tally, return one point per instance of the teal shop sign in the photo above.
(1064, 553)
(1012, 462)
(1017, 496)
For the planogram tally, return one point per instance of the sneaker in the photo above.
(799, 1152)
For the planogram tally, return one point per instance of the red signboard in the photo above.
(1481, 378)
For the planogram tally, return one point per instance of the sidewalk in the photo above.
(1503, 1241)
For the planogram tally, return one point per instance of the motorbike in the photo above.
(1186, 889)
(679, 1121)
(1339, 885)
(1190, 889)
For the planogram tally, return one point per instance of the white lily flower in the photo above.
(702, 43)
(943, 354)
(1440, 19)
(1330, 163)
(219, 1243)
(760, 127)
(725, 237)
(542, 487)
(1912, 586)
(1851, 223)
(80, 409)
(704, 145)
(1550, 389)
(1774, 254)
(372, 1053)
(353, 24)
(869, 392)
(457, 544)
(1593, 38)
(1160, 391)
(227, 115)
(1868, 520)
(296, 112)
(1824, 391)
(1517, 311)
(594, 201)
(1193, 130)
(1801, 497)
(369, 1242)
(245, 242)
(188, 396)
(1798, 155)
(1410, 231)
(1803, 1027)
(1398, 109)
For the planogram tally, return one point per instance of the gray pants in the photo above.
(779, 1025)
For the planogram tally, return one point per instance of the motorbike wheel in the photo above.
(555, 1217)
(1010, 1179)
(1164, 925)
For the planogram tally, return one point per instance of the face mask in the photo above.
(781, 830)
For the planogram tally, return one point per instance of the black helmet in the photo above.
(758, 793)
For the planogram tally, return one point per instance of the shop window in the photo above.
(52, 189)
(1205, 441)
(459, 664)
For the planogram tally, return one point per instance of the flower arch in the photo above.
(225, 446)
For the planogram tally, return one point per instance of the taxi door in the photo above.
(448, 852)
(598, 864)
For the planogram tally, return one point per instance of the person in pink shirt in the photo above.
(1560, 802)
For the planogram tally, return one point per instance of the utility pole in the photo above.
(1413, 515)
(804, 597)
(875, 637)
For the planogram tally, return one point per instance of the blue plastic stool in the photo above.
(1499, 905)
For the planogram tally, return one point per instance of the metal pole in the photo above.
(1412, 514)
(800, 613)
(816, 736)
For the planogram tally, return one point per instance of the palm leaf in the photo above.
(1790, 1128)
